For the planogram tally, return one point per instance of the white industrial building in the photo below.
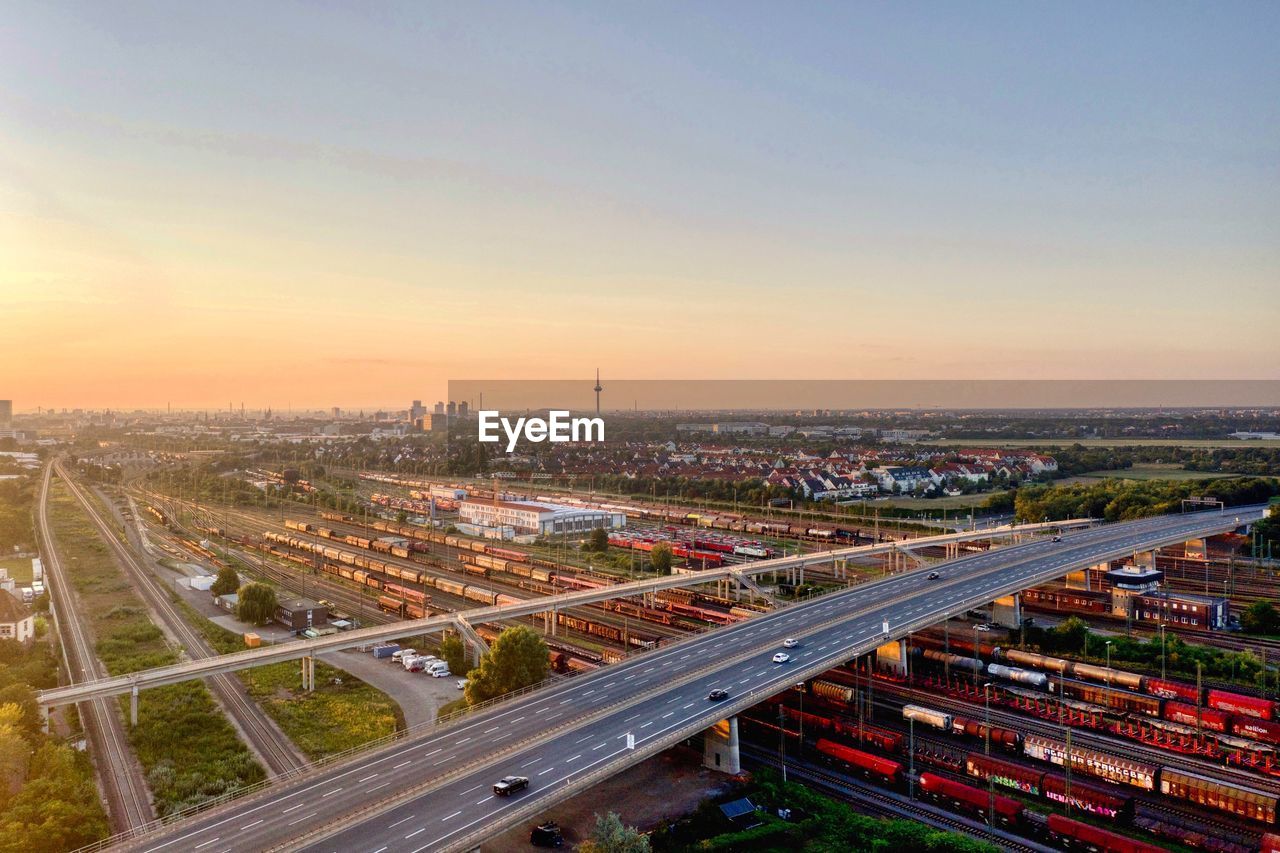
(539, 519)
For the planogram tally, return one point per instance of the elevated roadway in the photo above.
(433, 791)
(364, 636)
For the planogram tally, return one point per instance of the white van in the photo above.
(439, 669)
(403, 653)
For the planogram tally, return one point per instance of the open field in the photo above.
(19, 568)
(1099, 442)
(935, 506)
(1153, 471)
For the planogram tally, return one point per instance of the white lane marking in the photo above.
(464, 740)
(415, 832)
(469, 790)
(376, 787)
(433, 752)
(251, 825)
(291, 808)
(598, 746)
(482, 802)
(367, 778)
(301, 819)
(407, 763)
(205, 844)
(668, 714)
(449, 817)
(400, 821)
(575, 758)
(548, 770)
(583, 739)
(490, 731)
(331, 793)
(683, 707)
(646, 725)
(531, 763)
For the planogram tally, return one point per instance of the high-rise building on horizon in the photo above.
(439, 408)
(6, 414)
(452, 409)
(464, 408)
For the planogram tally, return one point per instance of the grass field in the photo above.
(1154, 471)
(19, 568)
(935, 506)
(1099, 442)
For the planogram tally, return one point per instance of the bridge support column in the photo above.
(893, 656)
(133, 706)
(44, 719)
(309, 673)
(1007, 611)
(720, 747)
(473, 640)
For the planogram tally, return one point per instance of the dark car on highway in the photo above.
(718, 695)
(508, 785)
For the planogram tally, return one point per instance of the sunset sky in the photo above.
(309, 205)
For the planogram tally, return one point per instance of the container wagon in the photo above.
(929, 717)
(1229, 798)
(1091, 762)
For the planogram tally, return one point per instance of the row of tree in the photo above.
(1121, 500)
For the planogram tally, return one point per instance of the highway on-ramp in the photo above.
(434, 791)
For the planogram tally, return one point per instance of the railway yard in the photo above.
(1025, 750)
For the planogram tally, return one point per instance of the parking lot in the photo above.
(417, 694)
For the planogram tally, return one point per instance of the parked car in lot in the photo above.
(781, 657)
(439, 669)
(983, 628)
(508, 785)
(462, 684)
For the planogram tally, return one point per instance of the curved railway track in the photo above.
(119, 774)
(277, 752)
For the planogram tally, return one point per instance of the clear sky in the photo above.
(350, 203)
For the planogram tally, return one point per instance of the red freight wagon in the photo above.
(1090, 798)
(1234, 703)
(1270, 843)
(969, 798)
(1251, 727)
(1214, 721)
(1082, 836)
(1173, 690)
(881, 768)
(1029, 780)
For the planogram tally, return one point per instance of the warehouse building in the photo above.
(538, 519)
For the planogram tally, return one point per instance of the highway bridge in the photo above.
(432, 791)
(160, 676)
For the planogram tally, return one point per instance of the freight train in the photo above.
(1071, 673)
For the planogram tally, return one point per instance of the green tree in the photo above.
(660, 557)
(610, 835)
(226, 582)
(21, 697)
(518, 658)
(1260, 617)
(598, 540)
(257, 604)
(454, 653)
(58, 808)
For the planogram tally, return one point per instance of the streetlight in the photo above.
(991, 791)
(1108, 672)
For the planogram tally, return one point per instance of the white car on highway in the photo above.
(790, 643)
(781, 657)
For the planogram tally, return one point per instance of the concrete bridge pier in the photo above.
(1007, 611)
(893, 656)
(133, 707)
(308, 673)
(720, 747)
(44, 719)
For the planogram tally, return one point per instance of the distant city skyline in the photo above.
(300, 205)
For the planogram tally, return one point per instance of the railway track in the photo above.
(120, 776)
(1085, 738)
(264, 737)
(880, 802)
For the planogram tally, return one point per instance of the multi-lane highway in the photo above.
(433, 791)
